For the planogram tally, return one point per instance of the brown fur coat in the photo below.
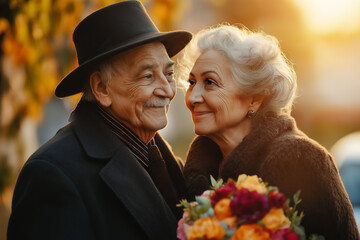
(283, 156)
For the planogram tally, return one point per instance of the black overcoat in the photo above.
(85, 184)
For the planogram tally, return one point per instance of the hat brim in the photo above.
(73, 83)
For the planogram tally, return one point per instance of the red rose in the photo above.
(223, 192)
(276, 199)
(292, 236)
(249, 205)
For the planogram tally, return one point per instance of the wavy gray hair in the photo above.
(257, 63)
(107, 70)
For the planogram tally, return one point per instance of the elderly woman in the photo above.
(240, 94)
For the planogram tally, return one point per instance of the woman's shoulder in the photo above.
(297, 140)
(297, 147)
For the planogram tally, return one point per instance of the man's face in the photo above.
(141, 90)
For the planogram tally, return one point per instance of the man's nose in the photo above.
(164, 88)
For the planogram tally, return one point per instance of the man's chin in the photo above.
(160, 125)
(156, 124)
(155, 118)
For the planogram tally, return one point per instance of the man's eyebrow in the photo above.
(148, 66)
(170, 64)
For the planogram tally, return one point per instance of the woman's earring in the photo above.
(251, 114)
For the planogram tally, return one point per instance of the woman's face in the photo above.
(213, 97)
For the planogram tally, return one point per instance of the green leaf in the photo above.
(300, 232)
(212, 180)
(316, 237)
(216, 184)
(184, 203)
(272, 188)
(297, 198)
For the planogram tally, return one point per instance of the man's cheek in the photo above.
(173, 88)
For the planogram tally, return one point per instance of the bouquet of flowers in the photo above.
(245, 209)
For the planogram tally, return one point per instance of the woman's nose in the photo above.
(194, 95)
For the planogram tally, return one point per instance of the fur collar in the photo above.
(205, 158)
(248, 154)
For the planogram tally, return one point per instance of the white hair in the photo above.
(107, 70)
(257, 64)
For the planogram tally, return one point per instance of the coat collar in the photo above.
(134, 187)
(248, 154)
(123, 174)
(95, 136)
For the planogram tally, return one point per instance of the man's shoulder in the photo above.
(64, 145)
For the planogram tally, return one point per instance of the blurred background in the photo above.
(321, 38)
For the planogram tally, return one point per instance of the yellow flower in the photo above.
(205, 228)
(251, 183)
(222, 209)
(275, 219)
(251, 232)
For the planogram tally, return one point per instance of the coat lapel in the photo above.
(124, 175)
(134, 187)
(173, 165)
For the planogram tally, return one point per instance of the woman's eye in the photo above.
(210, 82)
(191, 82)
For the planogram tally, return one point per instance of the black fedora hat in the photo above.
(109, 31)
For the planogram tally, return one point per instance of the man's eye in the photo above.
(170, 74)
(148, 76)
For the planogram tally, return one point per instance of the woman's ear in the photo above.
(99, 89)
(256, 102)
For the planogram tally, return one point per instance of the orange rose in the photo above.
(230, 222)
(207, 228)
(222, 209)
(251, 232)
(251, 183)
(275, 219)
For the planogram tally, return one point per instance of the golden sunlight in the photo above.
(329, 16)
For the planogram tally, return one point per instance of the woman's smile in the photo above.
(201, 113)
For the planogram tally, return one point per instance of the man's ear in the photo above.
(99, 90)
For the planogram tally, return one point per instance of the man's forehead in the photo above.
(149, 65)
(152, 47)
(151, 55)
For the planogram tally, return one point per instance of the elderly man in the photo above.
(108, 174)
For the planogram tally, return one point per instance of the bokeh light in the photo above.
(326, 16)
